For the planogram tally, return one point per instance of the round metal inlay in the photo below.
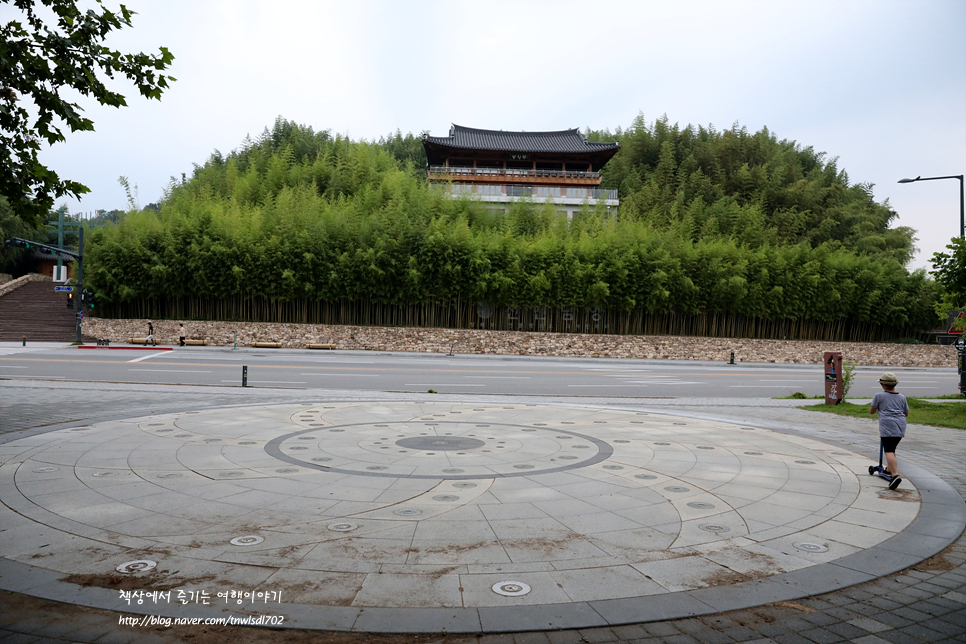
(247, 540)
(246, 442)
(805, 462)
(212, 440)
(231, 473)
(43, 470)
(511, 588)
(621, 441)
(286, 470)
(452, 470)
(700, 505)
(714, 527)
(446, 497)
(336, 430)
(540, 424)
(306, 438)
(342, 527)
(407, 512)
(182, 435)
(298, 449)
(581, 447)
(377, 467)
(613, 467)
(645, 476)
(662, 443)
(704, 447)
(440, 443)
(523, 467)
(568, 458)
(321, 459)
(810, 547)
(155, 424)
(841, 453)
(100, 474)
(171, 475)
(753, 453)
(160, 431)
(677, 488)
(529, 430)
(141, 565)
(464, 485)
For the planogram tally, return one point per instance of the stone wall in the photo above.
(5, 277)
(6, 287)
(528, 343)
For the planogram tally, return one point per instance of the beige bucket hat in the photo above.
(889, 378)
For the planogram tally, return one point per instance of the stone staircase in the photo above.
(36, 310)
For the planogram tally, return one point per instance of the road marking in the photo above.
(439, 384)
(662, 382)
(502, 377)
(171, 370)
(343, 375)
(273, 382)
(759, 386)
(10, 366)
(151, 355)
(904, 387)
(613, 384)
(16, 375)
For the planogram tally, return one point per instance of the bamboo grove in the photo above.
(719, 233)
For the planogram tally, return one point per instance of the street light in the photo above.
(962, 212)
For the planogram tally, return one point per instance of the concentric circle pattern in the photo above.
(439, 504)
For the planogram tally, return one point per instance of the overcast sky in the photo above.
(879, 84)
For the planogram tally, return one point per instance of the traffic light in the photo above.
(90, 300)
(16, 241)
(87, 299)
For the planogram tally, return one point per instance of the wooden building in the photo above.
(498, 167)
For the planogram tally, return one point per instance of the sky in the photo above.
(881, 85)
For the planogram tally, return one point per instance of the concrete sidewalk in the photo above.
(925, 603)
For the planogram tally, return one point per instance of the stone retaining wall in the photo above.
(528, 343)
(6, 287)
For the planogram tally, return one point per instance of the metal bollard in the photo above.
(24, 339)
(245, 376)
(732, 358)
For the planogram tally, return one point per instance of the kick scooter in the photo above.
(894, 481)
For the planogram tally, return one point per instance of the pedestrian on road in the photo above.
(181, 331)
(150, 335)
(893, 409)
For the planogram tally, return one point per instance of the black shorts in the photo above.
(889, 443)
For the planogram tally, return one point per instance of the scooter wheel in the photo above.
(872, 469)
(894, 483)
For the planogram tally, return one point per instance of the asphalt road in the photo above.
(408, 372)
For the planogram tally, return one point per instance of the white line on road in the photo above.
(343, 375)
(172, 370)
(10, 366)
(501, 377)
(759, 386)
(439, 384)
(17, 375)
(151, 355)
(273, 382)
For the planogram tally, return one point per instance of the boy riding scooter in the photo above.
(893, 409)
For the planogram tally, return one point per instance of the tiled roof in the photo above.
(555, 142)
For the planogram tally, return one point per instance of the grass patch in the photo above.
(951, 414)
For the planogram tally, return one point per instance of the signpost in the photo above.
(833, 377)
(64, 288)
(961, 363)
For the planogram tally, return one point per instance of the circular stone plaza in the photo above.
(463, 517)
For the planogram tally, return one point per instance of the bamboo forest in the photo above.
(718, 233)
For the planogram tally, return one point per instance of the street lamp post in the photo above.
(962, 210)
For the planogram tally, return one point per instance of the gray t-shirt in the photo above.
(892, 413)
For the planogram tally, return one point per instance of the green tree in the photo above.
(40, 62)
(949, 270)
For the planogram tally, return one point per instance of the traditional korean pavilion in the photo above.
(499, 167)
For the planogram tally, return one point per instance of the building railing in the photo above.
(486, 190)
(461, 171)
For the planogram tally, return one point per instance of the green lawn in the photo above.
(951, 414)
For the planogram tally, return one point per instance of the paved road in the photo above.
(469, 374)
